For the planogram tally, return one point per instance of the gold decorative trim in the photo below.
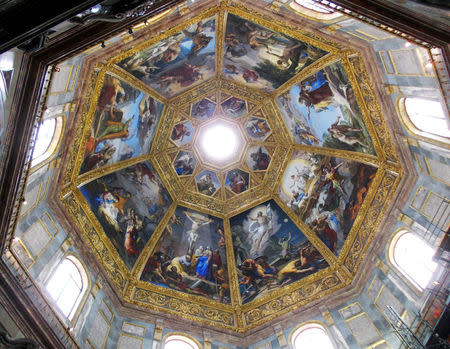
(188, 310)
(370, 108)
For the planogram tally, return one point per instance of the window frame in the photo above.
(309, 324)
(190, 340)
(411, 128)
(402, 274)
(82, 296)
(318, 16)
(53, 147)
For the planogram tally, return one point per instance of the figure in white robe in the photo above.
(260, 231)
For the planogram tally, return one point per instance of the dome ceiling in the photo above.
(236, 233)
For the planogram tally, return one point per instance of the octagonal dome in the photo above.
(282, 222)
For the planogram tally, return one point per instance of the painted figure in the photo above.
(193, 232)
(179, 132)
(260, 231)
(205, 185)
(284, 244)
(261, 160)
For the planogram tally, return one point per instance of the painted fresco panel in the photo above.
(270, 251)
(234, 107)
(262, 58)
(207, 182)
(182, 133)
(257, 128)
(190, 256)
(178, 62)
(129, 205)
(237, 180)
(326, 193)
(184, 163)
(258, 159)
(124, 124)
(322, 111)
(203, 109)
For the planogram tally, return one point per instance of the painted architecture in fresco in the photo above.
(123, 127)
(322, 111)
(326, 193)
(129, 204)
(190, 256)
(262, 58)
(178, 62)
(270, 251)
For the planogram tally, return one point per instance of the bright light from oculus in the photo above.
(219, 142)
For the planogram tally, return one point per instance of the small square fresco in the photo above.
(270, 251)
(322, 110)
(178, 62)
(124, 124)
(190, 256)
(237, 181)
(128, 204)
(203, 109)
(262, 58)
(258, 159)
(184, 163)
(326, 193)
(257, 128)
(234, 107)
(182, 133)
(207, 182)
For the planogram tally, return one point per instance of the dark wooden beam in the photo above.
(24, 20)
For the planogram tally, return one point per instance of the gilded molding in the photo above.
(367, 100)
(187, 310)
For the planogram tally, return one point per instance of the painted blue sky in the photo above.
(319, 122)
(132, 110)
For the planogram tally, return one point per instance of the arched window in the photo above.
(312, 5)
(179, 341)
(311, 335)
(68, 285)
(425, 117)
(314, 10)
(47, 140)
(413, 258)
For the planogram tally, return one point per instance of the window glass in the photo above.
(312, 5)
(414, 258)
(179, 342)
(311, 336)
(427, 115)
(44, 137)
(66, 287)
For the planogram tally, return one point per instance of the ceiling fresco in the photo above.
(178, 62)
(284, 215)
(124, 124)
(322, 111)
(263, 58)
